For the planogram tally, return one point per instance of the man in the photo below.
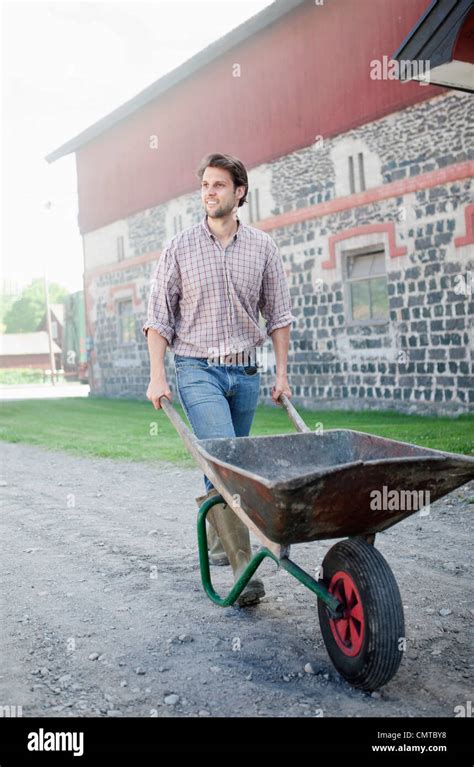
(209, 286)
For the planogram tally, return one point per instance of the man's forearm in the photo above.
(281, 341)
(157, 345)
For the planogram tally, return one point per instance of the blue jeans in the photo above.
(219, 400)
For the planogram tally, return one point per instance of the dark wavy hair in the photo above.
(235, 167)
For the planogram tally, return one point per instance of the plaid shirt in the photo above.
(206, 300)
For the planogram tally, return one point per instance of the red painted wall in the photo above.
(306, 75)
(464, 50)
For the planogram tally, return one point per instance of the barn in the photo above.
(363, 181)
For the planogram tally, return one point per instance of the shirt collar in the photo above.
(205, 226)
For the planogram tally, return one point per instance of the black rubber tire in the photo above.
(381, 649)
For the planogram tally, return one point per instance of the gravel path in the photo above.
(104, 614)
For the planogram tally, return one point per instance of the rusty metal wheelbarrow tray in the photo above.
(296, 488)
(305, 487)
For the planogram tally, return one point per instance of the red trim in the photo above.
(394, 189)
(132, 292)
(359, 231)
(468, 238)
(120, 265)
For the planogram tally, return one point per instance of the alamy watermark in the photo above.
(400, 500)
(43, 740)
(388, 69)
(10, 711)
(464, 709)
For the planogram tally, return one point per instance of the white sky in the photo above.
(64, 66)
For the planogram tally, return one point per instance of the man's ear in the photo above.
(240, 191)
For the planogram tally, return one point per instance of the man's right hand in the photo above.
(157, 389)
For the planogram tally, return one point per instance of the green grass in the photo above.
(21, 375)
(134, 430)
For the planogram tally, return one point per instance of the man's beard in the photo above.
(220, 211)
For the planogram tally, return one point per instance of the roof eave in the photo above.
(431, 39)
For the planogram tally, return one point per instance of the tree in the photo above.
(6, 302)
(26, 312)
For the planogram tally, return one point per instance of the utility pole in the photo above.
(50, 335)
(48, 206)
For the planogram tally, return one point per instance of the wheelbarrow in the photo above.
(309, 486)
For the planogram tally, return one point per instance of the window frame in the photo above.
(356, 169)
(120, 342)
(366, 250)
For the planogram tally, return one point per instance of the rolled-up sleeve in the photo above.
(164, 296)
(275, 302)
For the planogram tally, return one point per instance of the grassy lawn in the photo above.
(134, 430)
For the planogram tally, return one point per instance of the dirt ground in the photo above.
(104, 614)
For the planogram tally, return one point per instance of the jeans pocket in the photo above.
(251, 371)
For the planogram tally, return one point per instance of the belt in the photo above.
(241, 359)
(235, 358)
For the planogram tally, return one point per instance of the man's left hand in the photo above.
(281, 387)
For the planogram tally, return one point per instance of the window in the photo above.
(254, 205)
(120, 248)
(356, 179)
(351, 174)
(361, 172)
(126, 322)
(177, 223)
(366, 285)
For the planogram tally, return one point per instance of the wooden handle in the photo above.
(293, 414)
(177, 422)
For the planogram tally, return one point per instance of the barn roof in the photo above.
(224, 44)
(26, 343)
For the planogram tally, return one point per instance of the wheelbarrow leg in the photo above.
(217, 555)
(316, 587)
(244, 577)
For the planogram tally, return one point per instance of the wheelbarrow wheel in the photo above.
(366, 643)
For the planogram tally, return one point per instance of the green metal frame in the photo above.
(335, 607)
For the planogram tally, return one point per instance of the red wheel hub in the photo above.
(349, 630)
